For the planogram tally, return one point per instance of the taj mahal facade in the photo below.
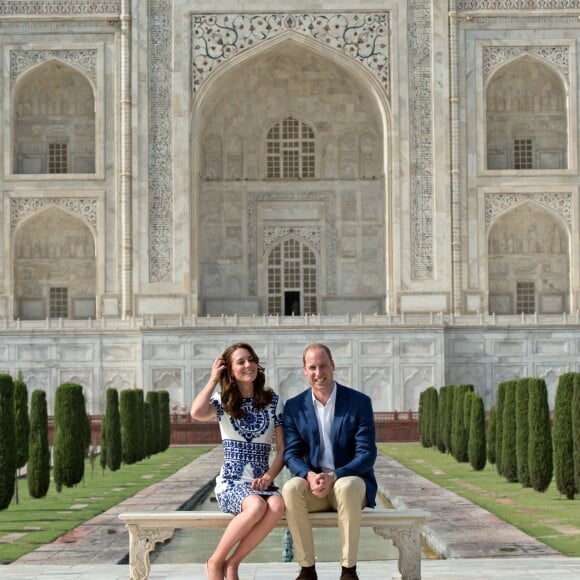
(398, 179)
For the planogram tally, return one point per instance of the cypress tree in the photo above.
(38, 470)
(423, 418)
(148, 415)
(441, 413)
(467, 399)
(576, 429)
(165, 419)
(508, 452)
(113, 451)
(499, 426)
(129, 426)
(540, 436)
(153, 399)
(140, 419)
(491, 431)
(70, 435)
(459, 435)
(21, 422)
(449, 418)
(7, 441)
(103, 454)
(522, 431)
(477, 444)
(563, 438)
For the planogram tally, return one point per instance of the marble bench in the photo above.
(146, 529)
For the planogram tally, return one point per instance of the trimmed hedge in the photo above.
(130, 431)
(508, 450)
(491, 431)
(38, 469)
(441, 414)
(540, 436)
(7, 441)
(522, 432)
(21, 422)
(165, 419)
(576, 429)
(563, 438)
(476, 448)
(152, 398)
(499, 426)
(459, 431)
(112, 431)
(70, 435)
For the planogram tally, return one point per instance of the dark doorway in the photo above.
(291, 303)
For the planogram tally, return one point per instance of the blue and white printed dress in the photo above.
(247, 443)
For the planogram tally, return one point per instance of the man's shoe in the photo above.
(307, 573)
(348, 573)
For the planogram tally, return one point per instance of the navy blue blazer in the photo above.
(353, 437)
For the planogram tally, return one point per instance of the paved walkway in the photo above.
(477, 545)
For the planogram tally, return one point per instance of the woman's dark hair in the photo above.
(230, 393)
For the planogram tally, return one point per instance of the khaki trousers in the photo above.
(347, 498)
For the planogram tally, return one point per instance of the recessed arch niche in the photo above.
(526, 117)
(529, 262)
(54, 121)
(54, 267)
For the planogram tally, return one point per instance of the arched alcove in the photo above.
(54, 121)
(54, 267)
(528, 262)
(333, 184)
(526, 117)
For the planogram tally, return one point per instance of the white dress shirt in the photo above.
(325, 418)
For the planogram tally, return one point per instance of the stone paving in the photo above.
(475, 543)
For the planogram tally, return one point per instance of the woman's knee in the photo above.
(254, 506)
(276, 505)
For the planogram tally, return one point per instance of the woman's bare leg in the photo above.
(275, 508)
(253, 509)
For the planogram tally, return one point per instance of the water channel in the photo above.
(195, 545)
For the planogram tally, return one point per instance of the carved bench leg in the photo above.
(407, 540)
(141, 543)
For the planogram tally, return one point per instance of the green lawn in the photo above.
(549, 516)
(38, 521)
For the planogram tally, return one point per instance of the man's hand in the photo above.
(321, 483)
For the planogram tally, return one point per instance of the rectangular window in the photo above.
(525, 297)
(58, 303)
(523, 158)
(57, 158)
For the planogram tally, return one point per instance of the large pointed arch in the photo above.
(215, 85)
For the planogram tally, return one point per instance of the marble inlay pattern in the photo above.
(160, 141)
(363, 36)
(495, 56)
(517, 4)
(497, 203)
(21, 208)
(310, 234)
(22, 60)
(60, 7)
(421, 146)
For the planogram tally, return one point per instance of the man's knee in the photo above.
(294, 488)
(348, 488)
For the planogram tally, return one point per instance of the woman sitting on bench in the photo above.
(250, 417)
